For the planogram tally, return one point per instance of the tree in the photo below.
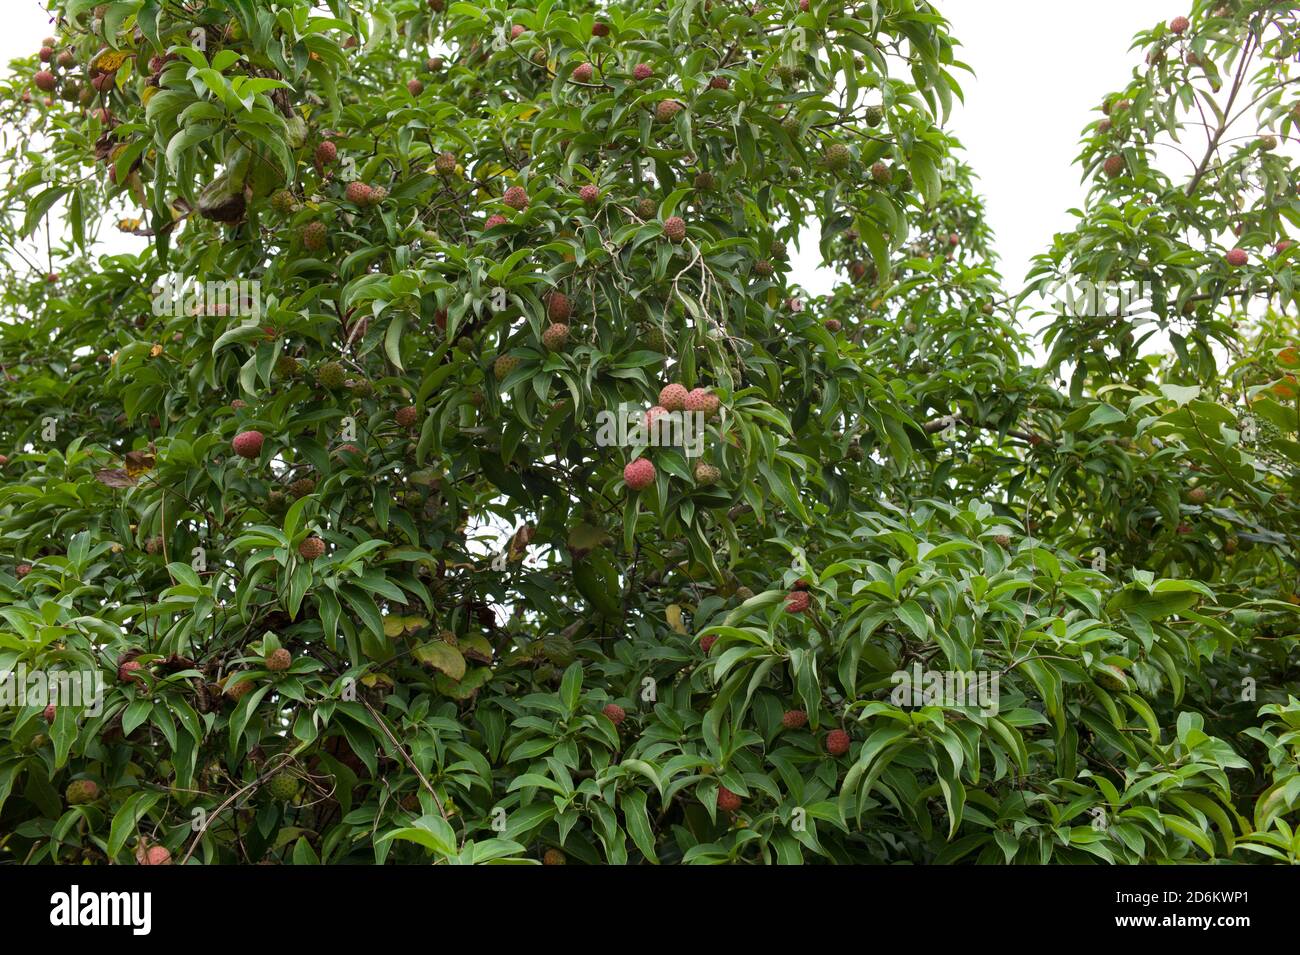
(342, 483)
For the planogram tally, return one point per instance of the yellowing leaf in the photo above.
(673, 613)
(108, 61)
(441, 656)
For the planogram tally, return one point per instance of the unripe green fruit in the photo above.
(81, 791)
(503, 366)
(282, 787)
(837, 157)
(331, 375)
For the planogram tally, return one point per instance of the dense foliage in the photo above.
(366, 580)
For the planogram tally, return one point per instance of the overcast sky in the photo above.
(1040, 68)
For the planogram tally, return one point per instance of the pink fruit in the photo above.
(702, 400)
(1179, 25)
(639, 474)
(248, 444)
(673, 397)
(642, 71)
(516, 197)
(1237, 257)
(129, 672)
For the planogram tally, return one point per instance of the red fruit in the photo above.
(707, 642)
(349, 449)
(639, 474)
(797, 601)
(278, 660)
(1114, 166)
(701, 399)
(311, 548)
(433, 64)
(803, 6)
(794, 719)
(558, 307)
(673, 397)
(326, 153)
(493, 221)
(45, 81)
(4, 459)
(415, 87)
(517, 31)
(407, 416)
(156, 855)
(832, 325)
(1184, 528)
(128, 672)
(727, 800)
(590, 194)
(1282, 246)
(49, 713)
(516, 198)
(675, 228)
(800, 584)
(1179, 24)
(643, 71)
(1237, 257)
(615, 713)
(582, 73)
(654, 414)
(837, 742)
(248, 444)
(46, 54)
(22, 570)
(719, 83)
(358, 193)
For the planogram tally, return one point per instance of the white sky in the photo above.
(1040, 70)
